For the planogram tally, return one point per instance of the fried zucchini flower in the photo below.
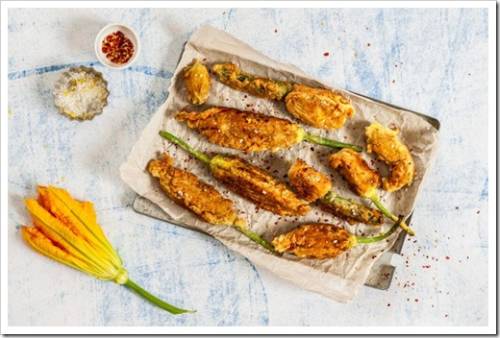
(385, 143)
(309, 183)
(312, 185)
(231, 75)
(67, 231)
(248, 181)
(320, 108)
(251, 132)
(321, 240)
(197, 82)
(364, 181)
(199, 197)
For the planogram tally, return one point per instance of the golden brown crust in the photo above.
(362, 179)
(385, 143)
(320, 108)
(242, 130)
(316, 240)
(190, 192)
(309, 184)
(232, 76)
(197, 82)
(257, 185)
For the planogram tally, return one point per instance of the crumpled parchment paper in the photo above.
(338, 278)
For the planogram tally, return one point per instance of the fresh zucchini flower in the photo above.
(67, 231)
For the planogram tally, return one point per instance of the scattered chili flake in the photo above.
(368, 44)
(388, 304)
(275, 30)
(117, 47)
(416, 300)
(456, 208)
(447, 257)
(326, 54)
(477, 212)
(426, 266)
(393, 81)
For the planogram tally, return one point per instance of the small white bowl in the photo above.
(109, 29)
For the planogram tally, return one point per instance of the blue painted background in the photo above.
(433, 61)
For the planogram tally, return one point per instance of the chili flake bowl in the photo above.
(129, 55)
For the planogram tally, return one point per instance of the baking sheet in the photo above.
(338, 278)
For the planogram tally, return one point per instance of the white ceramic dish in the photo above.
(128, 32)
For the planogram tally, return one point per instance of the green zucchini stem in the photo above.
(195, 153)
(155, 300)
(373, 239)
(329, 143)
(255, 237)
(398, 220)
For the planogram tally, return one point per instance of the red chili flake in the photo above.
(426, 266)
(446, 315)
(275, 30)
(477, 212)
(326, 54)
(388, 304)
(117, 48)
(416, 300)
(447, 257)
(368, 44)
(393, 81)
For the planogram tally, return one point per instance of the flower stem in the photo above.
(373, 239)
(256, 238)
(196, 153)
(155, 300)
(329, 143)
(398, 220)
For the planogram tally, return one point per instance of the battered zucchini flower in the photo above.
(197, 81)
(252, 132)
(67, 231)
(364, 181)
(312, 185)
(201, 198)
(321, 240)
(320, 108)
(386, 144)
(248, 181)
(232, 76)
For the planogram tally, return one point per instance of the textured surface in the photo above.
(433, 61)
